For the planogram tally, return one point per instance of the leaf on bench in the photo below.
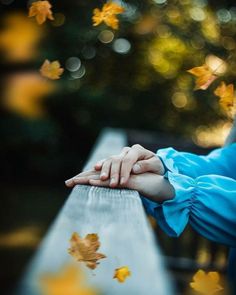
(85, 249)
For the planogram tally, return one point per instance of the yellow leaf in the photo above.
(19, 38)
(107, 15)
(206, 283)
(51, 70)
(122, 273)
(204, 76)
(208, 72)
(41, 10)
(85, 249)
(227, 97)
(23, 94)
(68, 281)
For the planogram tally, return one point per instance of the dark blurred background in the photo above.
(132, 78)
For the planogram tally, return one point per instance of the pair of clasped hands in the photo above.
(134, 168)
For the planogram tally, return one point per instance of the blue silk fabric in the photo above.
(205, 197)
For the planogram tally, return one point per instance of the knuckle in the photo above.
(125, 163)
(125, 149)
(143, 165)
(137, 146)
(115, 159)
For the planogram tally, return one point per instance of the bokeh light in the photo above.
(78, 73)
(106, 36)
(121, 46)
(73, 64)
(197, 14)
(223, 15)
(19, 38)
(179, 100)
(210, 136)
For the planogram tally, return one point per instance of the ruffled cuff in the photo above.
(173, 215)
(166, 156)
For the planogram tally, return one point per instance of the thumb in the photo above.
(141, 167)
(150, 165)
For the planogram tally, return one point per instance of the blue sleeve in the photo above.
(208, 203)
(221, 161)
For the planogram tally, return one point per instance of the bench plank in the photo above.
(126, 237)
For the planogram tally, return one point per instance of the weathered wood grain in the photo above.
(117, 216)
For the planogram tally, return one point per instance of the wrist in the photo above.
(163, 168)
(164, 190)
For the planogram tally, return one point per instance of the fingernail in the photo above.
(112, 181)
(68, 181)
(103, 175)
(136, 168)
(122, 180)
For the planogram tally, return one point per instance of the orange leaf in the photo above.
(121, 274)
(85, 249)
(51, 70)
(107, 15)
(206, 283)
(41, 10)
(208, 72)
(226, 95)
(204, 76)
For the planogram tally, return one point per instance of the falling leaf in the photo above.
(19, 38)
(24, 92)
(51, 70)
(122, 273)
(206, 283)
(85, 249)
(227, 97)
(41, 10)
(204, 76)
(70, 280)
(107, 15)
(208, 72)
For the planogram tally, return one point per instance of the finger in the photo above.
(105, 172)
(70, 182)
(98, 165)
(127, 164)
(125, 150)
(86, 179)
(99, 182)
(115, 167)
(153, 165)
(143, 166)
(146, 154)
(115, 171)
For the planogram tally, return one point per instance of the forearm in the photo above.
(155, 187)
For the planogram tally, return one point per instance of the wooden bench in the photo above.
(126, 236)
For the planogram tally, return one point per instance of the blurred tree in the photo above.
(133, 77)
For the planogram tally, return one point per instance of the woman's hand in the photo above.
(134, 160)
(150, 185)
